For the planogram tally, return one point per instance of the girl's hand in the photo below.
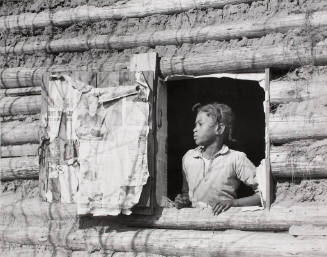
(221, 206)
(182, 201)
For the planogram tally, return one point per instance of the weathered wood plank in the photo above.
(20, 91)
(113, 254)
(33, 251)
(170, 242)
(32, 212)
(15, 105)
(268, 183)
(288, 129)
(86, 13)
(21, 77)
(308, 230)
(249, 29)
(19, 150)
(26, 167)
(281, 91)
(303, 120)
(295, 91)
(278, 219)
(301, 159)
(17, 132)
(32, 77)
(244, 59)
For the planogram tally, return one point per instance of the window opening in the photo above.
(246, 99)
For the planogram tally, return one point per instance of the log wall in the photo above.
(191, 37)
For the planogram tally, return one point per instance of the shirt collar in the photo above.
(198, 152)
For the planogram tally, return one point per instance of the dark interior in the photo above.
(245, 97)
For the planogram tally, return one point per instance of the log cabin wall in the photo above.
(191, 37)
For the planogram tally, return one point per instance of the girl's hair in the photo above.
(221, 113)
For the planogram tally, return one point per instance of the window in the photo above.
(247, 98)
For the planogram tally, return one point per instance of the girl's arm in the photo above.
(224, 205)
(252, 200)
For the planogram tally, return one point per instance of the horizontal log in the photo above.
(36, 251)
(244, 59)
(32, 77)
(17, 132)
(113, 254)
(20, 91)
(33, 212)
(249, 29)
(248, 60)
(295, 91)
(295, 121)
(300, 159)
(308, 230)
(21, 77)
(169, 242)
(278, 219)
(19, 150)
(15, 105)
(298, 127)
(281, 91)
(26, 167)
(20, 117)
(85, 13)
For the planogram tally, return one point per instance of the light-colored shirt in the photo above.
(220, 179)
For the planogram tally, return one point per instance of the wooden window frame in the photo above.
(267, 165)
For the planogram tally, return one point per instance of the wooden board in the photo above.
(268, 177)
(86, 13)
(32, 212)
(19, 150)
(300, 159)
(299, 120)
(169, 242)
(226, 31)
(26, 167)
(162, 147)
(19, 132)
(16, 105)
(308, 230)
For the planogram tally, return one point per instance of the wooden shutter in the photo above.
(161, 144)
(146, 66)
(54, 189)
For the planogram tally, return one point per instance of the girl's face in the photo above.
(206, 130)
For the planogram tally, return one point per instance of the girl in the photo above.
(212, 172)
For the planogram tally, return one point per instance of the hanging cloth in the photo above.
(113, 161)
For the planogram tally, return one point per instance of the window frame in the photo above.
(266, 78)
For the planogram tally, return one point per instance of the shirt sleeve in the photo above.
(246, 172)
